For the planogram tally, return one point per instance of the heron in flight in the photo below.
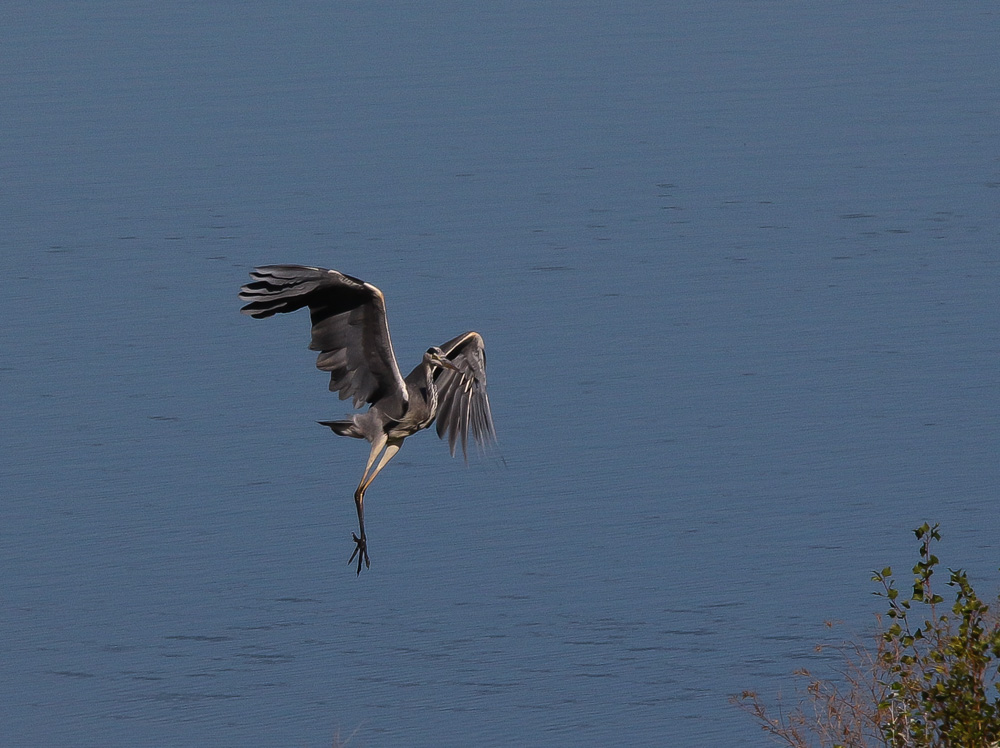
(350, 330)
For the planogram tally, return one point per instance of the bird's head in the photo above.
(435, 357)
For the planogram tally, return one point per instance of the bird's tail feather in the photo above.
(344, 428)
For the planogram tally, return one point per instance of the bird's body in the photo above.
(350, 330)
(422, 406)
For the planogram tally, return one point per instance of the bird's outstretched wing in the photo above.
(349, 328)
(463, 406)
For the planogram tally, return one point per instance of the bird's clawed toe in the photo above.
(361, 552)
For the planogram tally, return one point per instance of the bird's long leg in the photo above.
(392, 447)
(361, 551)
(377, 446)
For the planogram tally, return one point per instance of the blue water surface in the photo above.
(736, 266)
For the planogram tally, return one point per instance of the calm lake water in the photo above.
(736, 265)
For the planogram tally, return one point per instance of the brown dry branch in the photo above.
(930, 678)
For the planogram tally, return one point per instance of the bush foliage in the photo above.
(931, 679)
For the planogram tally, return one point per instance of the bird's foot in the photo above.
(361, 552)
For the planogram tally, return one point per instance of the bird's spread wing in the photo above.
(463, 406)
(349, 328)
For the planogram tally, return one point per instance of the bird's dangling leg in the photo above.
(361, 551)
(391, 448)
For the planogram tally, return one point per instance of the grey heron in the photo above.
(350, 330)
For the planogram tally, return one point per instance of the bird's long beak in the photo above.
(446, 363)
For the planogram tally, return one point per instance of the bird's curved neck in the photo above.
(429, 387)
(429, 370)
(422, 390)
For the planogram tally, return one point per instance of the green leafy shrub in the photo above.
(930, 680)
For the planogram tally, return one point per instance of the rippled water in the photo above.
(736, 267)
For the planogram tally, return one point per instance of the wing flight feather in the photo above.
(463, 405)
(349, 329)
